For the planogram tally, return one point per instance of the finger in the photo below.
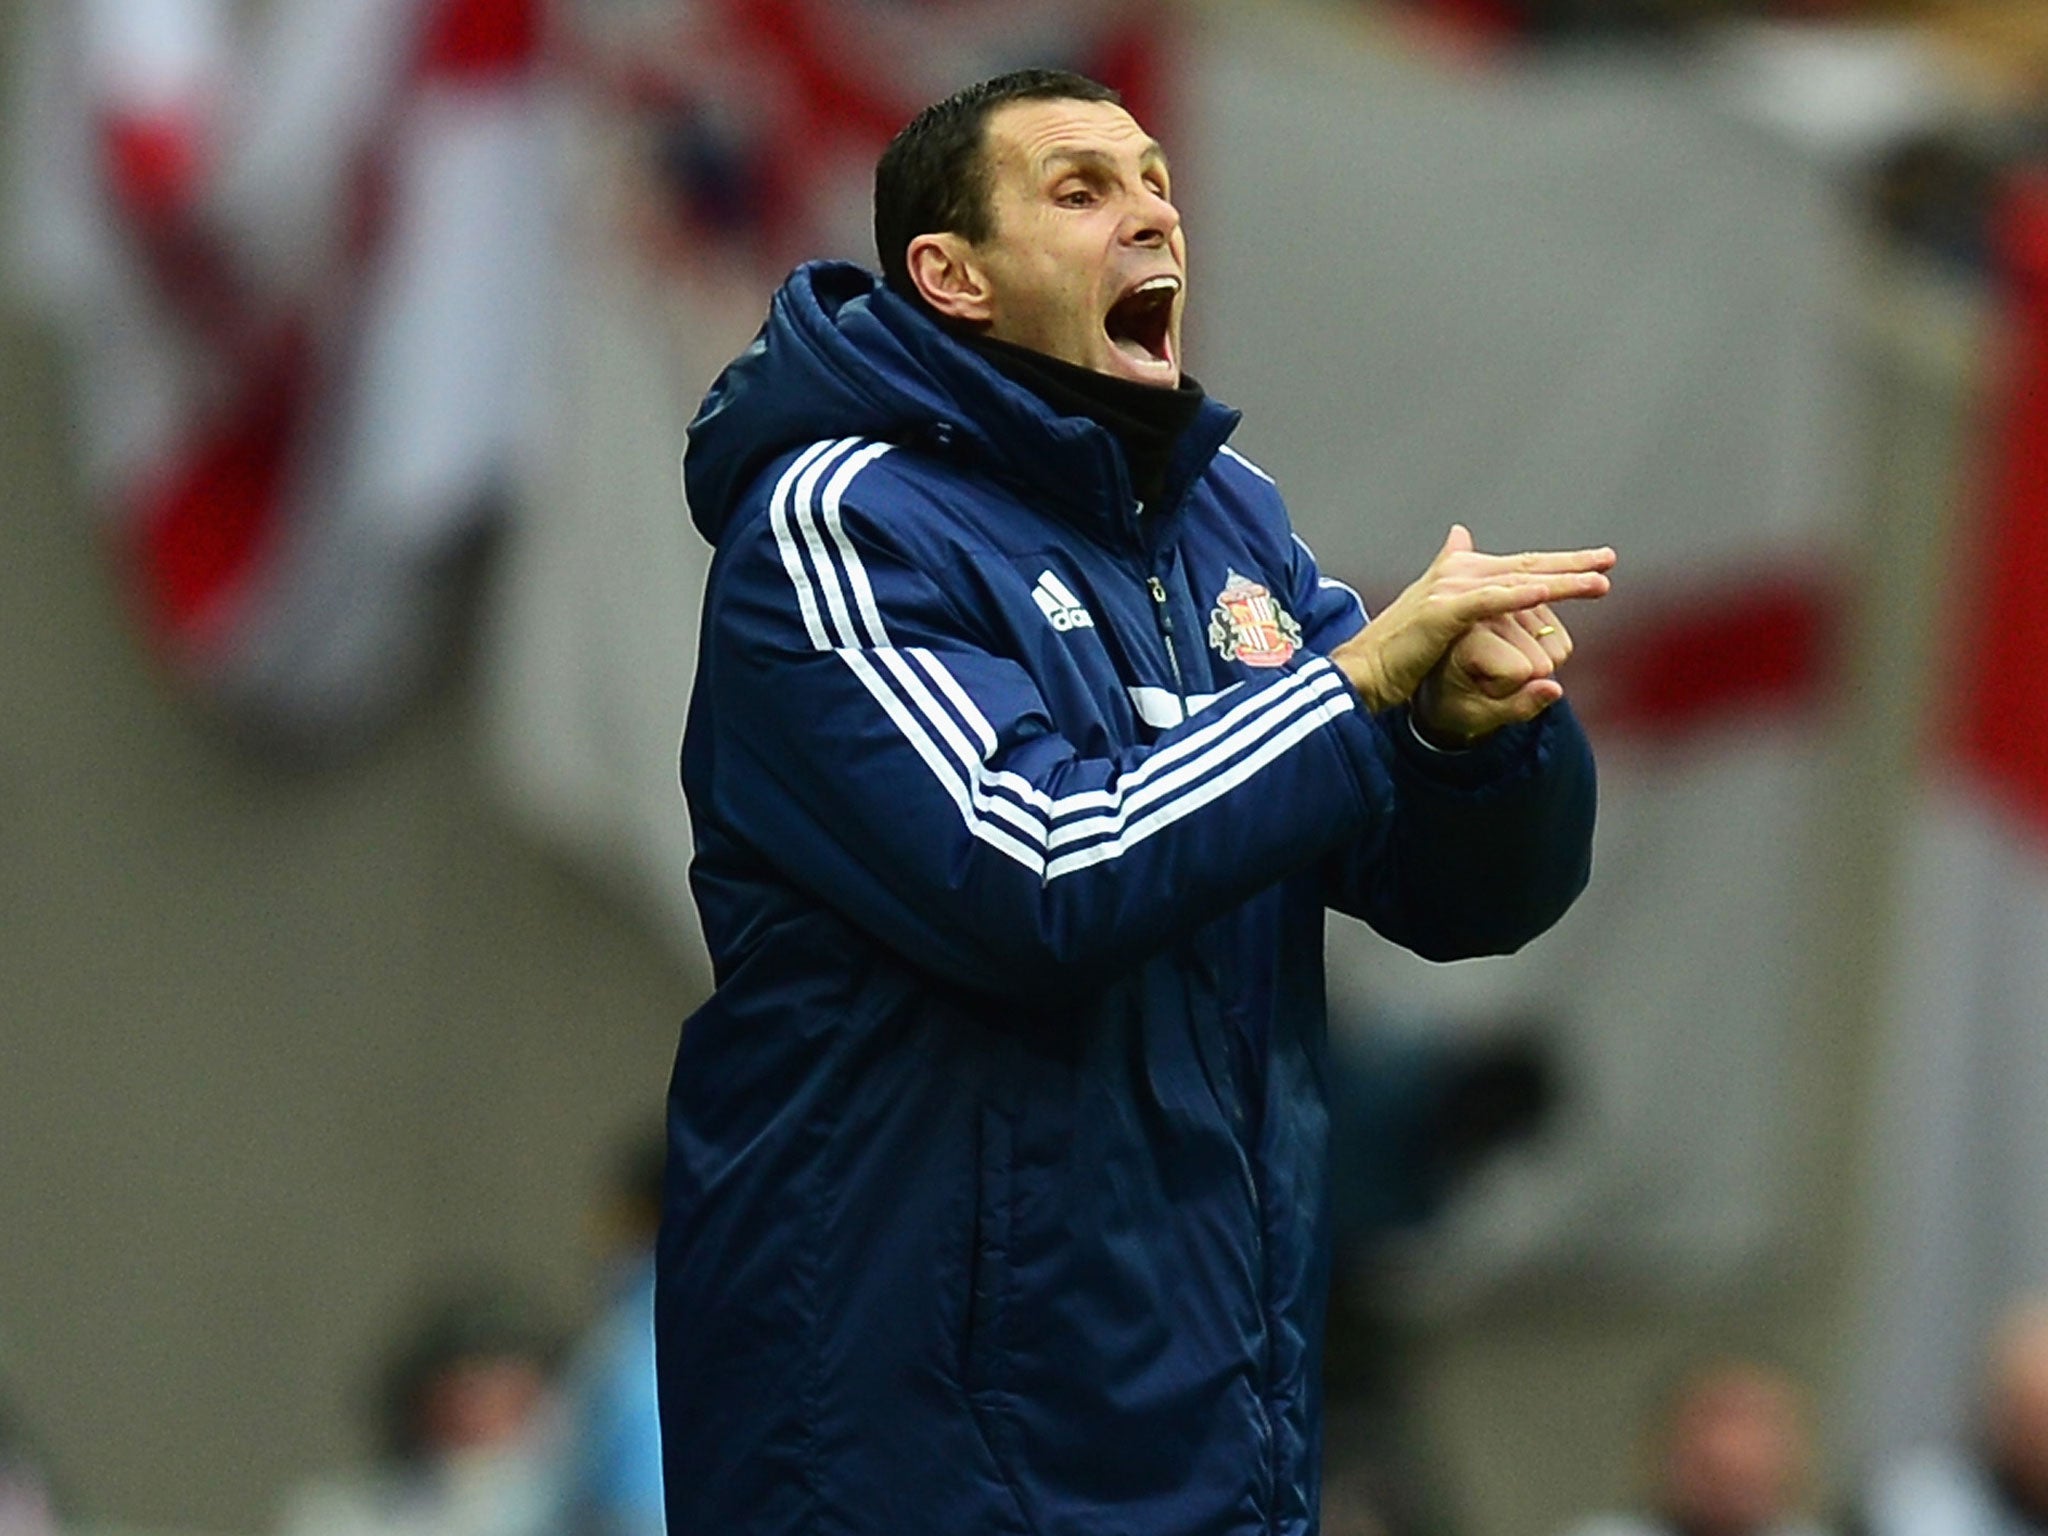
(1469, 571)
(1457, 542)
(1519, 630)
(1483, 716)
(1547, 630)
(1543, 561)
(1537, 562)
(1536, 698)
(1527, 702)
(1493, 664)
(1600, 557)
(1496, 599)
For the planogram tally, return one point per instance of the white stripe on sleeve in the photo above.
(1330, 582)
(1168, 785)
(792, 561)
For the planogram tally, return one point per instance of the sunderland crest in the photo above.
(1247, 625)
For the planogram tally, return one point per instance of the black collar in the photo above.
(1146, 420)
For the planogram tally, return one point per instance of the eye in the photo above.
(1075, 197)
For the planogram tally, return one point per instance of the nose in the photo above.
(1153, 221)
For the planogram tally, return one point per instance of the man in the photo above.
(1994, 1482)
(1027, 749)
(611, 1474)
(1731, 1455)
(467, 1408)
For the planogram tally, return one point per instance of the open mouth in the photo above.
(1140, 324)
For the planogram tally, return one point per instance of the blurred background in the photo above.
(347, 607)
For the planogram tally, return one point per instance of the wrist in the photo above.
(1441, 741)
(1358, 659)
(1425, 720)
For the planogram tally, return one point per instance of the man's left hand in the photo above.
(1499, 672)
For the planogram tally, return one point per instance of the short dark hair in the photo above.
(934, 176)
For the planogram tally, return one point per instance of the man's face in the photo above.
(2018, 1406)
(1086, 261)
(1736, 1453)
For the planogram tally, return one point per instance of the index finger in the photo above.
(1498, 599)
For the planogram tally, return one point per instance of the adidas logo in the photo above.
(1061, 608)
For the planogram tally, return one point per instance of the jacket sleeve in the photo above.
(881, 754)
(1488, 847)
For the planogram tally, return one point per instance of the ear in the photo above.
(946, 273)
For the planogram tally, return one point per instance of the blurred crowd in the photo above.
(489, 1421)
(488, 1418)
(310, 377)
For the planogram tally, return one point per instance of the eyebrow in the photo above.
(1096, 159)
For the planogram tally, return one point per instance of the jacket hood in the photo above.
(840, 355)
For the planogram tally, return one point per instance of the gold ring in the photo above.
(1548, 629)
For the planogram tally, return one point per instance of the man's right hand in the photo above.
(1387, 661)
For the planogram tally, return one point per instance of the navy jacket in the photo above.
(996, 1180)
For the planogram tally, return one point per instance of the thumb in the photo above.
(1457, 542)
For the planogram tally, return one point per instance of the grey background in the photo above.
(276, 1045)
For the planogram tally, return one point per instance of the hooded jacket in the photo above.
(997, 1158)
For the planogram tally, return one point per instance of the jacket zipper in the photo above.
(1164, 610)
(1159, 606)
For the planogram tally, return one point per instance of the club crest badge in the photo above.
(1247, 625)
